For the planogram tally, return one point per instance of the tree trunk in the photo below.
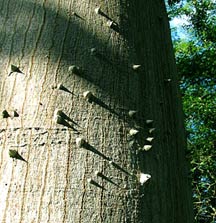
(67, 48)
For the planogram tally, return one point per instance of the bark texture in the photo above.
(44, 38)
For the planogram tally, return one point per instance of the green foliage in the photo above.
(199, 102)
(195, 60)
(196, 63)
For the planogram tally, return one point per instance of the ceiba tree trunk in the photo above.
(88, 155)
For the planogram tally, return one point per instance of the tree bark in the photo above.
(59, 182)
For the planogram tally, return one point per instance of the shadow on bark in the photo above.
(99, 174)
(67, 40)
(87, 146)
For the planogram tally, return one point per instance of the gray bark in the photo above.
(45, 38)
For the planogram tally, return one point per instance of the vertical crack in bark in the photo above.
(84, 191)
(62, 48)
(14, 32)
(44, 182)
(10, 52)
(32, 57)
(48, 65)
(9, 188)
(102, 191)
(26, 31)
(24, 186)
(58, 63)
(67, 179)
